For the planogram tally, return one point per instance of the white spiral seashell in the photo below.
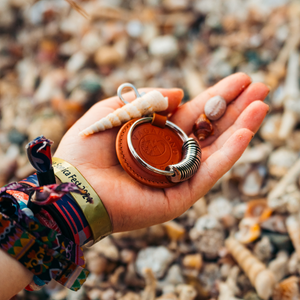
(149, 103)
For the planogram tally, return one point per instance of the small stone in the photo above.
(106, 248)
(156, 258)
(215, 107)
(91, 42)
(164, 46)
(76, 62)
(127, 256)
(52, 127)
(16, 137)
(134, 28)
(108, 294)
(108, 55)
(96, 263)
(95, 294)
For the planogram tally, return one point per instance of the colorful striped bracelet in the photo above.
(95, 213)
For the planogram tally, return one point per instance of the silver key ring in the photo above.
(129, 85)
(178, 172)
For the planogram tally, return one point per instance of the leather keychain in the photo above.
(156, 152)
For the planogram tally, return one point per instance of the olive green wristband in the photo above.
(95, 213)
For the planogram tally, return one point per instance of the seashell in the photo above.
(215, 108)
(249, 231)
(108, 294)
(186, 292)
(78, 8)
(208, 236)
(280, 161)
(255, 154)
(156, 258)
(168, 296)
(174, 230)
(96, 264)
(203, 128)
(106, 248)
(229, 288)
(192, 78)
(130, 296)
(149, 292)
(258, 209)
(219, 207)
(261, 278)
(263, 249)
(275, 197)
(149, 103)
(290, 117)
(293, 142)
(269, 130)
(275, 223)
(173, 278)
(293, 264)
(292, 224)
(279, 265)
(288, 289)
(253, 182)
(193, 261)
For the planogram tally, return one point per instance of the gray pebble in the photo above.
(215, 107)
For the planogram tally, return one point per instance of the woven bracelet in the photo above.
(95, 213)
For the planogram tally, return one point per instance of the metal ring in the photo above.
(122, 86)
(178, 130)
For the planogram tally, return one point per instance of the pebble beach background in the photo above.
(55, 64)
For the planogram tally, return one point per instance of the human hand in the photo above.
(132, 205)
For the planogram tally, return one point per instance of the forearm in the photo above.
(13, 276)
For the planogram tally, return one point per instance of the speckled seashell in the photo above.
(149, 103)
(258, 209)
(288, 289)
(261, 278)
(215, 108)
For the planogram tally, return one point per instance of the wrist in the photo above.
(95, 212)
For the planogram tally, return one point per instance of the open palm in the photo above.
(132, 205)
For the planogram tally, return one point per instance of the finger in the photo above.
(251, 118)
(216, 165)
(229, 88)
(256, 91)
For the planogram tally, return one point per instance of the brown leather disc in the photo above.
(159, 147)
